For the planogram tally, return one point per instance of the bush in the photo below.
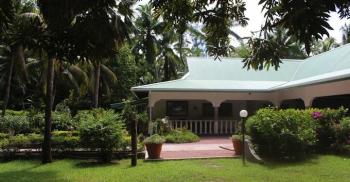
(328, 130)
(23, 122)
(101, 129)
(19, 141)
(237, 137)
(154, 139)
(36, 121)
(285, 134)
(181, 136)
(63, 121)
(65, 140)
(344, 134)
(15, 122)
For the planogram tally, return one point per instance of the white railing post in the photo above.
(205, 126)
(195, 127)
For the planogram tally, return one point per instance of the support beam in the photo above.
(308, 102)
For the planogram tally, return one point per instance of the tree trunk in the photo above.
(47, 157)
(133, 139)
(8, 87)
(97, 84)
(166, 69)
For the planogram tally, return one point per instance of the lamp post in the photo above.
(243, 114)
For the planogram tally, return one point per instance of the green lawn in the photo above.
(322, 168)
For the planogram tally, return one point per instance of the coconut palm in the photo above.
(160, 44)
(20, 34)
(107, 78)
(68, 76)
(171, 59)
(147, 28)
(89, 31)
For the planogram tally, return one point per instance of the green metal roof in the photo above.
(228, 74)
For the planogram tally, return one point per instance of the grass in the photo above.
(320, 168)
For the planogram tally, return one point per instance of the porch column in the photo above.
(216, 119)
(308, 102)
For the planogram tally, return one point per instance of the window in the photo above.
(207, 110)
(177, 108)
(225, 110)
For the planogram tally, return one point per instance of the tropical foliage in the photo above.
(87, 55)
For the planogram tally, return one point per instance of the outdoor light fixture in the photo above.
(243, 114)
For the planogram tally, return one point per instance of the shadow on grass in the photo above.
(95, 164)
(274, 163)
(29, 175)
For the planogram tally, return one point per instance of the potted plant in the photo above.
(237, 144)
(154, 146)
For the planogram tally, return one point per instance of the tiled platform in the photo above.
(207, 147)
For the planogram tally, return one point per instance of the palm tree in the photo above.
(172, 62)
(69, 76)
(106, 79)
(90, 31)
(160, 44)
(19, 35)
(147, 28)
(113, 21)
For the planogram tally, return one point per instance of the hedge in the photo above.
(291, 133)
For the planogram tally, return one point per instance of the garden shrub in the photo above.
(101, 129)
(328, 132)
(36, 121)
(19, 141)
(65, 140)
(65, 133)
(63, 121)
(181, 136)
(344, 134)
(284, 134)
(154, 139)
(60, 141)
(15, 122)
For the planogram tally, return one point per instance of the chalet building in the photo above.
(207, 100)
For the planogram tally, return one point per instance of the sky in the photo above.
(256, 19)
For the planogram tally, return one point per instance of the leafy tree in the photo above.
(306, 21)
(217, 17)
(126, 70)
